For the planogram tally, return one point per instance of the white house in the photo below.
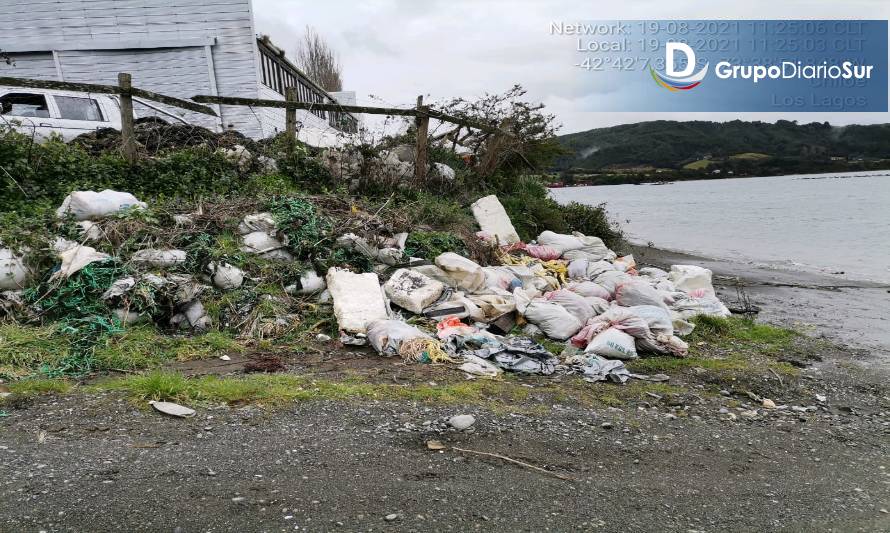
(175, 47)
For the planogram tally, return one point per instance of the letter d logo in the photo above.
(678, 80)
(671, 60)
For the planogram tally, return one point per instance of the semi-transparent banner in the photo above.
(729, 65)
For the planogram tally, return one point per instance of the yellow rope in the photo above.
(424, 350)
(556, 268)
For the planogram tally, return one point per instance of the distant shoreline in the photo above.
(667, 180)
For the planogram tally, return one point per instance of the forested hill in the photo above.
(672, 144)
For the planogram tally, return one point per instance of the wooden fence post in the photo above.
(421, 156)
(290, 120)
(128, 135)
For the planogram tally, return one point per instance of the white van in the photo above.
(40, 112)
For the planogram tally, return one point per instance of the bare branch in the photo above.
(318, 61)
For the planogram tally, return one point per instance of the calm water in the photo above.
(816, 222)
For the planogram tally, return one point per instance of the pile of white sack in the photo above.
(569, 288)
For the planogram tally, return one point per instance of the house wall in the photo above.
(163, 43)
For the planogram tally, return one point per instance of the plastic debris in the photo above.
(412, 290)
(173, 409)
(91, 205)
(159, 258)
(75, 259)
(225, 276)
(493, 220)
(358, 299)
(13, 272)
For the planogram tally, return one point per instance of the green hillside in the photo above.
(672, 144)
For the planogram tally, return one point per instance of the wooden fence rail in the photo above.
(423, 113)
(107, 89)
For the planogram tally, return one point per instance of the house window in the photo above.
(72, 108)
(24, 105)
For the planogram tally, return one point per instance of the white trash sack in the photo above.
(225, 276)
(611, 279)
(588, 289)
(159, 258)
(493, 220)
(560, 242)
(658, 318)
(573, 303)
(90, 205)
(412, 291)
(637, 292)
(464, 273)
(688, 278)
(258, 222)
(13, 271)
(387, 336)
(613, 344)
(266, 245)
(358, 299)
(707, 304)
(553, 319)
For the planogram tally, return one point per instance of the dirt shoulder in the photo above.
(99, 463)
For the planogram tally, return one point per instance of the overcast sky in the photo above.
(398, 49)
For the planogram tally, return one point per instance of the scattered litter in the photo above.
(358, 299)
(75, 259)
(435, 445)
(159, 258)
(13, 272)
(493, 220)
(91, 205)
(225, 276)
(173, 409)
(412, 290)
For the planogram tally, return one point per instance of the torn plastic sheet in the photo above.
(596, 368)
(518, 355)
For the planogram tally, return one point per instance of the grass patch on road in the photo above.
(28, 350)
(279, 389)
(31, 387)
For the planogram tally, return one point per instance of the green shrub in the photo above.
(593, 221)
(429, 244)
(36, 176)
